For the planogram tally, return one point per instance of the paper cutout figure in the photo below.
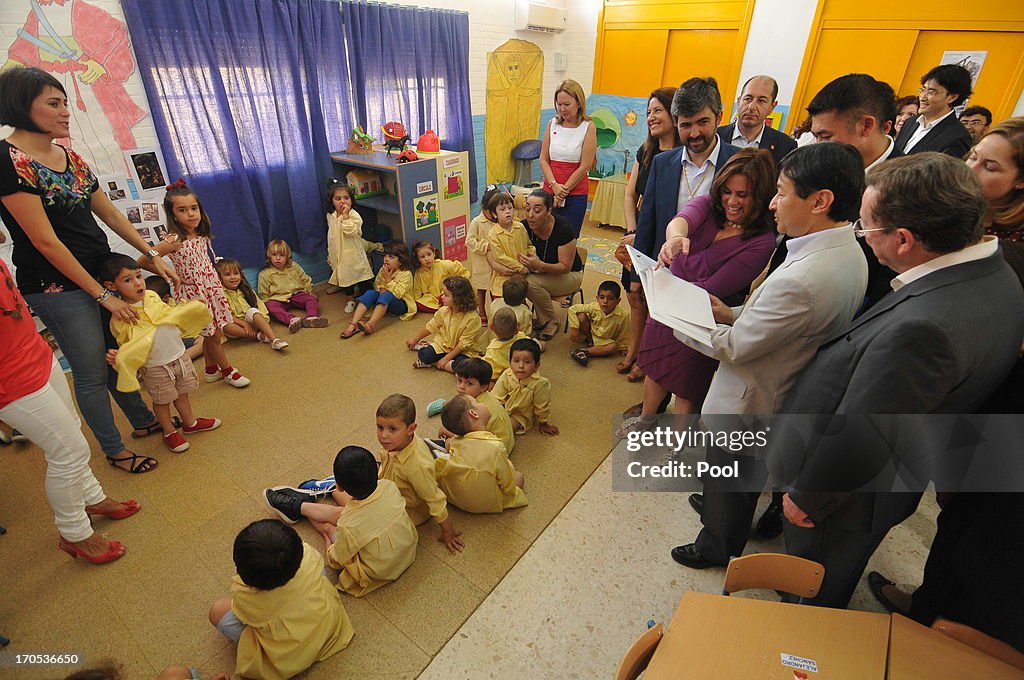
(515, 75)
(88, 50)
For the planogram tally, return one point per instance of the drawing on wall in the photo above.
(425, 211)
(455, 239)
(88, 50)
(617, 139)
(454, 184)
(972, 60)
(515, 75)
(149, 169)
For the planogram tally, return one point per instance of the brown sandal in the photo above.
(365, 327)
(624, 366)
(636, 374)
(350, 331)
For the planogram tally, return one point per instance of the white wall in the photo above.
(779, 30)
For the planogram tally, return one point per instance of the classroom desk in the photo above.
(713, 637)
(920, 653)
(608, 204)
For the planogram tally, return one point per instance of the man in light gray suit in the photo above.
(941, 342)
(764, 344)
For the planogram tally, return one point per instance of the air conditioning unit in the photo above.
(534, 16)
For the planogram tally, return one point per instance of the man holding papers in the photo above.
(764, 344)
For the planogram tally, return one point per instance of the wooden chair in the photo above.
(639, 654)
(774, 571)
(985, 644)
(582, 252)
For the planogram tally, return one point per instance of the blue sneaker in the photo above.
(319, 487)
(435, 407)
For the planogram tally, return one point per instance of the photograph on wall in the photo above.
(454, 184)
(114, 186)
(151, 212)
(134, 214)
(148, 166)
(161, 231)
(425, 211)
(147, 234)
(455, 239)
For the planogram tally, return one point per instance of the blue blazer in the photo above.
(660, 197)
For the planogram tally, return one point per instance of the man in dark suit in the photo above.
(680, 175)
(756, 102)
(936, 127)
(941, 342)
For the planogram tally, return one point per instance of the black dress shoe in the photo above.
(697, 502)
(876, 582)
(689, 556)
(770, 524)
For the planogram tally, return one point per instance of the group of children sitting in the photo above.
(292, 614)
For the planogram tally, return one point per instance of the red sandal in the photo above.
(127, 509)
(365, 326)
(115, 552)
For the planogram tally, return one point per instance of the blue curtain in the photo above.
(411, 65)
(248, 97)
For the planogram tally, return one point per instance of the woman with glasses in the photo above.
(936, 127)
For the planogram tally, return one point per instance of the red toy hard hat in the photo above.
(428, 143)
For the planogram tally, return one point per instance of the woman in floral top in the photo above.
(48, 196)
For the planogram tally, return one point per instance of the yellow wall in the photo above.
(899, 42)
(646, 44)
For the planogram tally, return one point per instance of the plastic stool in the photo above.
(524, 154)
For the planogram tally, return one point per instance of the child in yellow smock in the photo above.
(509, 240)
(477, 475)
(249, 315)
(151, 351)
(406, 461)
(456, 328)
(283, 614)
(524, 392)
(603, 325)
(391, 293)
(193, 342)
(506, 332)
(477, 245)
(513, 296)
(428, 281)
(284, 284)
(472, 378)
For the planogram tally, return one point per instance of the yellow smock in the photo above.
(477, 244)
(524, 400)
(346, 252)
(239, 305)
(506, 247)
(478, 476)
(281, 284)
(497, 352)
(412, 471)
(400, 286)
(499, 424)
(523, 315)
(428, 284)
(605, 329)
(451, 328)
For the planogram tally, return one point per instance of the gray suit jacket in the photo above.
(776, 332)
(940, 344)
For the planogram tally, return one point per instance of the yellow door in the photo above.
(699, 53)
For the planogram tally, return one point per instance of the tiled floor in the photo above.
(568, 607)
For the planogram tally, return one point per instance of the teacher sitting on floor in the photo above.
(556, 270)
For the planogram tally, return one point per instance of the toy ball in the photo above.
(428, 143)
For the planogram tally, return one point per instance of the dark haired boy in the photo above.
(523, 391)
(603, 326)
(513, 296)
(283, 614)
(472, 378)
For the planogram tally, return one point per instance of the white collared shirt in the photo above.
(885, 155)
(923, 129)
(698, 179)
(795, 246)
(739, 141)
(986, 247)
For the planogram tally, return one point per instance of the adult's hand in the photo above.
(671, 248)
(167, 273)
(121, 310)
(721, 311)
(628, 239)
(531, 262)
(794, 514)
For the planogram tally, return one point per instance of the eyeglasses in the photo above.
(973, 123)
(859, 231)
(930, 92)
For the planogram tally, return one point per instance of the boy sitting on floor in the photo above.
(513, 296)
(523, 391)
(506, 331)
(603, 325)
(472, 378)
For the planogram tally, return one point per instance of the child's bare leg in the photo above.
(638, 317)
(214, 354)
(221, 606)
(481, 302)
(196, 350)
(163, 416)
(341, 498)
(585, 327)
(184, 406)
(324, 528)
(377, 314)
(263, 326)
(520, 480)
(238, 329)
(603, 350)
(358, 314)
(321, 512)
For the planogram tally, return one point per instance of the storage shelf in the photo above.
(384, 202)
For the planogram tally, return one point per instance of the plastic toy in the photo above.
(407, 156)
(359, 141)
(428, 143)
(395, 137)
(364, 183)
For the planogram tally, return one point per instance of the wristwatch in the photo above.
(104, 296)
(151, 253)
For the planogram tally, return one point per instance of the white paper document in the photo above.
(673, 301)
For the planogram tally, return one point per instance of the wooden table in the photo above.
(729, 638)
(920, 653)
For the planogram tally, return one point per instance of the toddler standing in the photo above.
(152, 348)
(477, 476)
(509, 240)
(477, 245)
(189, 249)
(284, 284)
(524, 392)
(350, 268)
(283, 614)
(430, 274)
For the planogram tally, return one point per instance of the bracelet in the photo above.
(103, 297)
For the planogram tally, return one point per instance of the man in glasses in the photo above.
(976, 120)
(936, 127)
